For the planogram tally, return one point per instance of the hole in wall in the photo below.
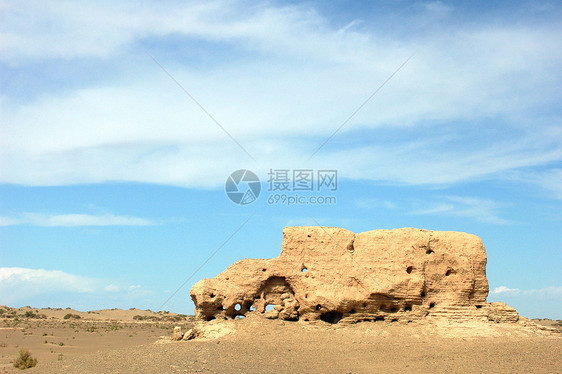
(269, 307)
(318, 307)
(352, 311)
(380, 318)
(220, 307)
(304, 270)
(382, 307)
(393, 309)
(263, 269)
(364, 305)
(422, 294)
(212, 295)
(331, 317)
(478, 306)
(431, 305)
(209, 318)
(239, 316)
(449, 272)
(429, 251)
(408, 308)
(308, 235)
(409, 269)
(238, 307)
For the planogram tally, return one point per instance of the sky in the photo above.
(121, 122)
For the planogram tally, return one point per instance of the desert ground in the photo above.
(137, 341)
(51, 337)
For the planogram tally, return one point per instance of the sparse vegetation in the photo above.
(170, 318)
(114, 327)
(61, 330)
(25, 360)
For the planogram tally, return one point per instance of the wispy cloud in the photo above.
(504, 290)
(280, 79)
(373, 203)
(483, 210)
(533, 303)
(9, 221)
(74, 220)
(546, 292)
(551, 291)
(23, 286)
(52, 280)
(550, 179)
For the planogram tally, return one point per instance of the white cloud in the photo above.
(373, 203)
(9, 221)
(73, 220)
(112, 288)
(483, 210)
(24, 286)
(41, 279)
(437, 7)
(546, 292)
(533, 303)
(549, 179)
(505, 290)
(295, 79)
(134, 287)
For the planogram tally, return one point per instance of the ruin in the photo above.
(334, 275)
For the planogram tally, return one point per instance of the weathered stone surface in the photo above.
(335, 275)
(177, 334)
(501, 312)
(190, 334)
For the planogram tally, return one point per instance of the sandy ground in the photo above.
(128, 345)
(51, 338)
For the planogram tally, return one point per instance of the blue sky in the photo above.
(112, 177)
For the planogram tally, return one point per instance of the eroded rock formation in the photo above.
(332, 274)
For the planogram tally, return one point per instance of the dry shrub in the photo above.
(25, 360)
